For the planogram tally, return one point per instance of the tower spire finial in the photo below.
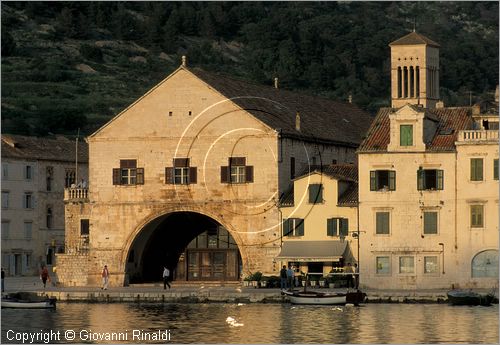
(414, 24)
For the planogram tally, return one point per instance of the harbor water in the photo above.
(251, 323)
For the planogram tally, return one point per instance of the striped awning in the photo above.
(314, 251)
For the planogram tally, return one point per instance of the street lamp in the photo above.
(442, 251)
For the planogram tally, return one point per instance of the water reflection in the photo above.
(269, 323)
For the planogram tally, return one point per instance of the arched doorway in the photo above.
(485, 264)
(194, 246)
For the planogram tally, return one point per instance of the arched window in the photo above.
(417, 82)
(485, 264)
(412, 82)
(49, 217)
(405, 81)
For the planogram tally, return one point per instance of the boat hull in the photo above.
(469, 298)
(28, 305)
(318, 298)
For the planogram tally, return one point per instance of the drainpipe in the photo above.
(442, 251)
(456, 199)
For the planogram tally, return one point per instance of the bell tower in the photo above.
(414, 71)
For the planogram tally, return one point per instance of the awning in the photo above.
(314, 251)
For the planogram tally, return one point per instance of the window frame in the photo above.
(28, 201)
(473, 222)
(237, 171)
(5, 171)
(5, 229)
(495, 169)
(375, 180)
(5, 199)
(318, 199)
(424, 222)
(237, 174)
(28, 231)
(337, 226)
(28, 172)
(379, 268)
(423, 179)
(388, 233)
(426, 272)
(128, 174)
(400, 267)
(476, 169)
(293, 227)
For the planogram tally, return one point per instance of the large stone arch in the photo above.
(484, 264)
(169, 210)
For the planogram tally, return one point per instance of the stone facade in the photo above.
(35, 172)
(186, 116)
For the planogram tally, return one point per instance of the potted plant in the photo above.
(255, 279)
(321, 282)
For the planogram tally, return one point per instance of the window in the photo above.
(406, 135)
(49, 218)
(431, 264)
(476, 216)
(292, 168)
(495, 169)
(5, 229)
(50, 177)
(429, 179)
(5, 199)
(28, 230)
(476, 169)
(28, 200)
(430, 222)
(237, 171)
(315, 193)
(84, 227)
(382, 180)
(5, 171)
(293, 227)
(337, 227)
(383, 265)
(128, 173)
(181, 173)
(28, 172)
(406, 264)
(382, 220)
(485, 264)
(69, 178)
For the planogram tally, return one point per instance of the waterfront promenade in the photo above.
(200, 293)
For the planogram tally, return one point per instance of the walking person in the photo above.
(283, 278)
(105, 278)
(166, 277)
(45, 276)
(3, 280)
(356, 276)
(290, 276)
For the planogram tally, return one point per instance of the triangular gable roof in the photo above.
(414, 38)
(341, 172)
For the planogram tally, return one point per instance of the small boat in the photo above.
(325, 298)
(25, 300)
(468, 297)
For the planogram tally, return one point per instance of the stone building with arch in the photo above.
(190, 175)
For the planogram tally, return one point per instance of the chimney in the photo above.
(276, 82)
(439, 104)
(350, 98)
(184, 63)
(476, 109)
(297, 121)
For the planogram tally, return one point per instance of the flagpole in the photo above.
(76, 157)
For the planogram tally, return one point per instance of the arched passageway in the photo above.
(192, 245)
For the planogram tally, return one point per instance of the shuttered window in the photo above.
(406, 135)
(476, 169)
(331, 227)
(337, 227)
(293, 227)
(382, 180)
(430, 179)
(495, 169)
(128, 173)
(382, 223)
(237, 171)
(344, 226)
(84, 227)
(181, 172)
(315, 193)
(430, 222)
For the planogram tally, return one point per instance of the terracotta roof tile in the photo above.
(450, 122)
(350, 196)
(320, 118)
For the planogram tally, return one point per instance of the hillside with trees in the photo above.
(71, 65)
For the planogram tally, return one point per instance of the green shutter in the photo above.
(373, 180)
(392, 180)
(315, 193)
(440, 179)
(382, 223)
(286, 227)
(495, 169)
(344, 226)
(330, 229)
(476, 169)
(430, 222)
(406, 135)
(299, 227)
(420, 179)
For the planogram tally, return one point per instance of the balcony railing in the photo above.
(76, 194)
(478, 135)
